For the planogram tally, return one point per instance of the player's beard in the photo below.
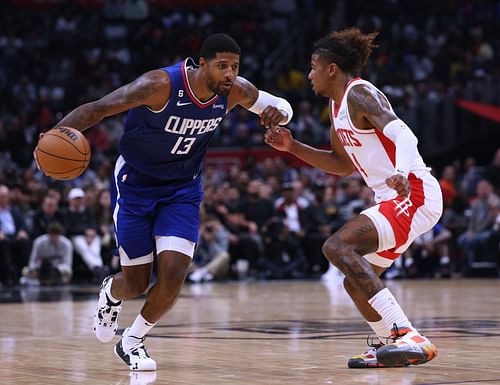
(216, 87)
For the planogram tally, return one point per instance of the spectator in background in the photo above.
(290, 207)
(14, 239)
(256, 207)
(47, 213)
(81, 227)
(51, 258)
(211, 259)
(283, 256)
(429, 255)
(448, 185)
(317, 229)
(493, 172)
(482, 219)
(105, 229)
(245, 242)
(470, 179)
(307, 126)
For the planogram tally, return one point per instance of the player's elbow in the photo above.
(346, 170)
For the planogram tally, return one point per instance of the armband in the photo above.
(265, 99)
(406, 145)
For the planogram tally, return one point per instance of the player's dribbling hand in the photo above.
(271, 117)
(399, 183)
(279, 138)
(34, 152)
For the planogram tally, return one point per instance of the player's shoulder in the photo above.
(158, 76)
(363, 91)
(241, 84)
(362, 86)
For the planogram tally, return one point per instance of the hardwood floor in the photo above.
(269, 333)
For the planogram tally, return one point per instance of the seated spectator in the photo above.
(81, 228)
(211, 259)
(317, 228)
(51, 258)
(14, 240)
(48, 213)
(105, 229)
(429, 255)
(476, 240)
(283, 255)
(255, 206)
(244, 240)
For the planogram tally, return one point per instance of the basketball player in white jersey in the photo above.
(367, 136)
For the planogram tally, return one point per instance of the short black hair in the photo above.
(219, 42)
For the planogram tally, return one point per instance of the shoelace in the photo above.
(395, 335)
(370, 342)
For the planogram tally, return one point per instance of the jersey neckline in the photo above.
(189, 62)
(337, 108)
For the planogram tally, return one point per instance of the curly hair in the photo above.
(349, 49)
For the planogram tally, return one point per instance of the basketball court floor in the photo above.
(284, 332)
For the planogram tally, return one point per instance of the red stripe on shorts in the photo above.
(388, 254)
(400, 214)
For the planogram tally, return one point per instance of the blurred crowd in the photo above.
(261, 219)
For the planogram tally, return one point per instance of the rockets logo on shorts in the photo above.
(402, 207)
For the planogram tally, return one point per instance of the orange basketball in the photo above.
(63, 153)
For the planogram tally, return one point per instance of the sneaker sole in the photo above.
(358, 364)
(394, 356)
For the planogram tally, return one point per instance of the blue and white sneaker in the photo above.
(106, 314)
(133, 353)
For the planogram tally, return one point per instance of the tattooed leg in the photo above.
(345, 249)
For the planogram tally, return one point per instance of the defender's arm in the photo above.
(272, 110)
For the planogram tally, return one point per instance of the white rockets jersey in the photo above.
(372, 153)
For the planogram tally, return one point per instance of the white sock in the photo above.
(381, 329)
(386, 305)
(139, 329)
(107, 290)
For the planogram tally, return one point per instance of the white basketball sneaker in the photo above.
(133, 353)
(106, 314)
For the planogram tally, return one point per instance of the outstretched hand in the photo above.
(34, 152)
(279, 138)
(271, 117)
(399, 183)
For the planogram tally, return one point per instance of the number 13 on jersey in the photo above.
(182, 146)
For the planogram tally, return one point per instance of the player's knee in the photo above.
(333, 249)
(172, 271)
(137, 286)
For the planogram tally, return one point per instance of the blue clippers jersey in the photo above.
(171, 143)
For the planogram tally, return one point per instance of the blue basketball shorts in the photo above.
(145, 208)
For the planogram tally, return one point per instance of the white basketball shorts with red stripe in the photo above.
(400, 220)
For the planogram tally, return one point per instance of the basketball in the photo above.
(63, 153)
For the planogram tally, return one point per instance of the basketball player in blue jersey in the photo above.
(157, 189)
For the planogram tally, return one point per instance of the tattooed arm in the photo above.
(369, 108)
(151, 89)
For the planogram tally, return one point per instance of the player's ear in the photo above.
(203, 62)
(332, 69)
